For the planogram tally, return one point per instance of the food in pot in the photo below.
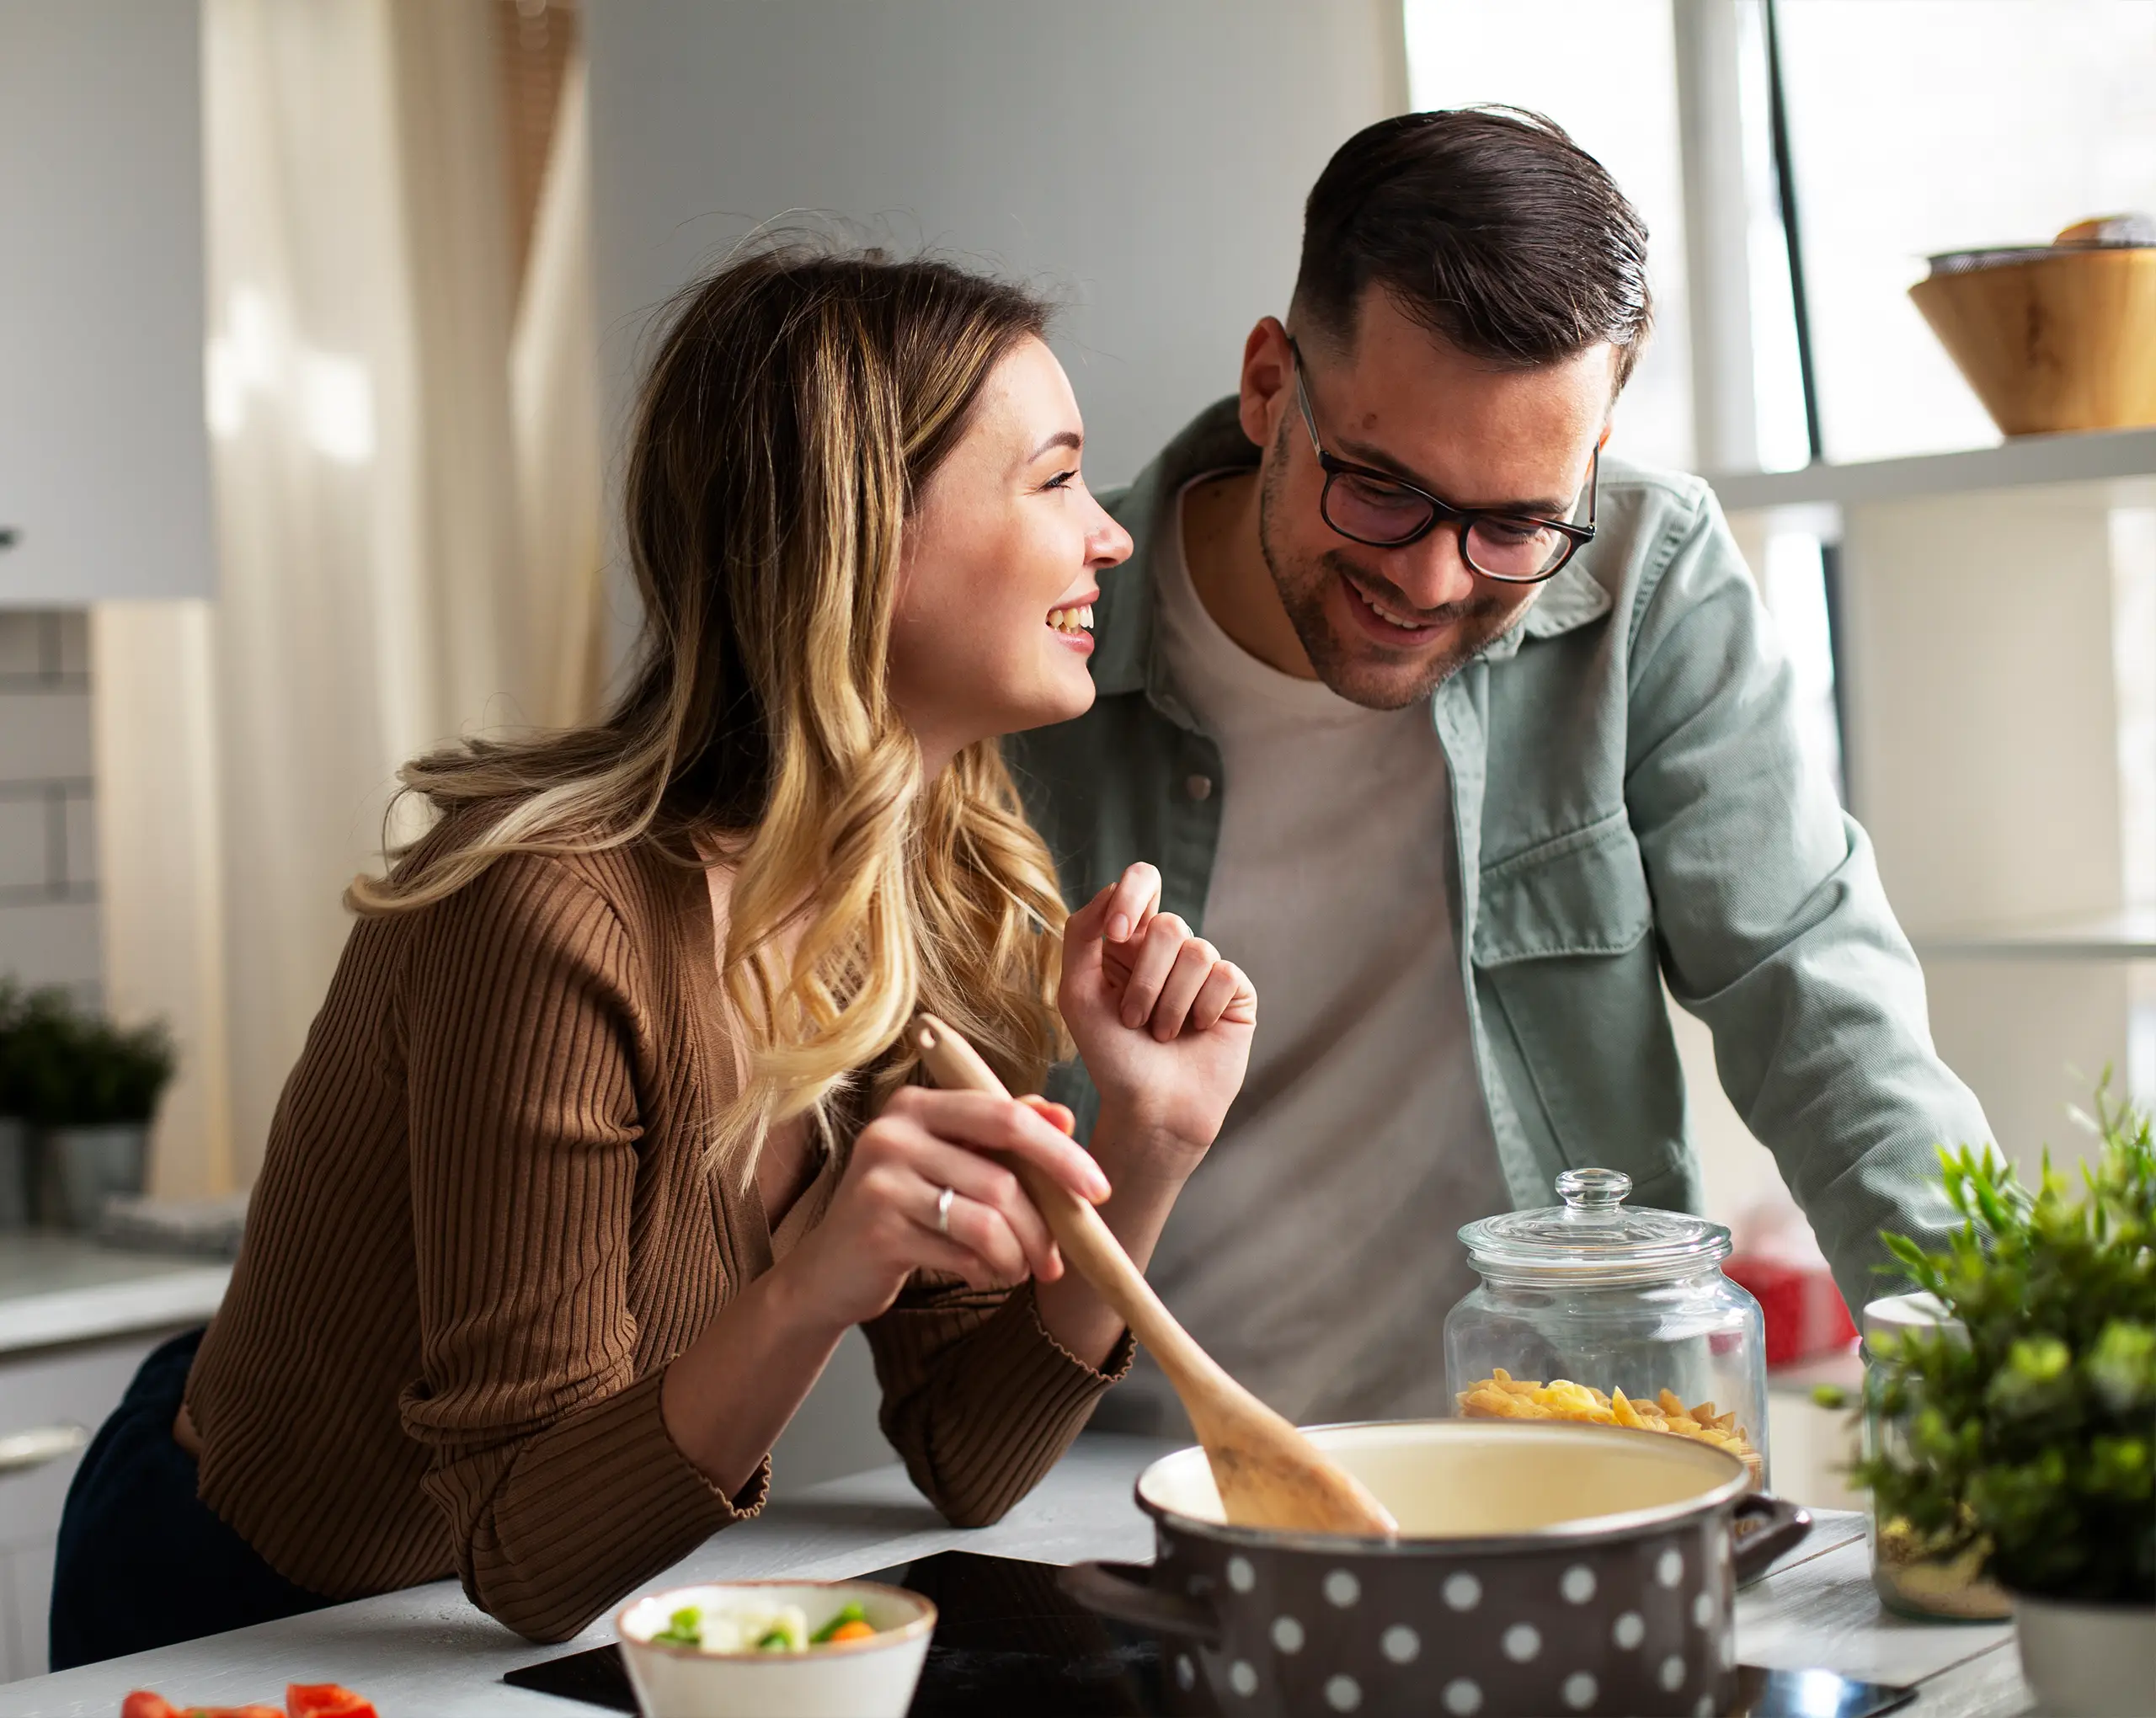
(1500, 1396)
(760, 1628)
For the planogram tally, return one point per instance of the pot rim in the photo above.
(1587, 1530)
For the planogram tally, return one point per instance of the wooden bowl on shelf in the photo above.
(2060, 341)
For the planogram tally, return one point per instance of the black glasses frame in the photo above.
(1442, 511)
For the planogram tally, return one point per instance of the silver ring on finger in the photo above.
(943, 1203)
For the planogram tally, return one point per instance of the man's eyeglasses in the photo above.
(1367, 506)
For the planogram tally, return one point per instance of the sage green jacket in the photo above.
(1630, 805)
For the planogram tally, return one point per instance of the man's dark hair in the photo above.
(1490, 226)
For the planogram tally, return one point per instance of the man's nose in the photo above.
(1432, 573)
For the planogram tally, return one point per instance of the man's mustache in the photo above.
(1384, 591)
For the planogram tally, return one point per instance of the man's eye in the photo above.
(1508, 531)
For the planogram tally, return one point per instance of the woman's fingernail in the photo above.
(1119, 926)
(1098, 1184)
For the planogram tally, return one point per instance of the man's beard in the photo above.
(1344, 664)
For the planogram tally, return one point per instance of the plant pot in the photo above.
(2087, 1660)
(16, 1162)
(85, 1167)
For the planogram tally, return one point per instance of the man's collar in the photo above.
(1572, 598)
(1213, 441)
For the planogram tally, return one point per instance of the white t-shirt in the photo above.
(1316, 1252)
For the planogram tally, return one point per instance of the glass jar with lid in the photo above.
(1593, 1309)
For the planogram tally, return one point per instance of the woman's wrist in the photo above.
(730, 1394)
(1141, 1145)
(794, 1304)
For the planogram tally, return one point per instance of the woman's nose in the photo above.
(1108, 545)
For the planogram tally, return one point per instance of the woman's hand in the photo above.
(882, 1224)
(1163, 1022)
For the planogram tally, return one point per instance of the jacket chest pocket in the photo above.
(1584, 893)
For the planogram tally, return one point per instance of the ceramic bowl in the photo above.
(871, 1678)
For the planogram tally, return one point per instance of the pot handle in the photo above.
(1761, 1528)
(1121, 1591)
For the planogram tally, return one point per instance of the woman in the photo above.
(574, 1189)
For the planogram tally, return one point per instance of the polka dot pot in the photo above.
(1540, 1569)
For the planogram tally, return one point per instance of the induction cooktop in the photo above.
(1008, 1640)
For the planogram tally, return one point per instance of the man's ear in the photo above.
(1268, 376)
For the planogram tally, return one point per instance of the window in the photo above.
(1934, 126)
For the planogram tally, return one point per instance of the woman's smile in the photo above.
(1072, 622)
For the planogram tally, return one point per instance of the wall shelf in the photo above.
(2129, 936)
(2125, 460)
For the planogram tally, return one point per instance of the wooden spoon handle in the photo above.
(1088, 1242)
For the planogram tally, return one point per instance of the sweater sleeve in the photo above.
(979, 1399)
(546, 1454)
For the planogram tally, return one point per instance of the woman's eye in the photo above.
(1061, 480)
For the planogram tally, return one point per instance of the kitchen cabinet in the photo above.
(104, 488)
(75, 1320)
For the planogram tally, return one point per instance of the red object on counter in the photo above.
(301, 1700)
(326, 1701)
(1806, 1317)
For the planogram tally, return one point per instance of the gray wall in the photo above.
(103, 456)
(1144, 160)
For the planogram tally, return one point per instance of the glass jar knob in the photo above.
(1592, 1195)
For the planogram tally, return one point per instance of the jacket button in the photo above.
(1197, 787)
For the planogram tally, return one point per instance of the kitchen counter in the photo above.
(57, 1289)
(426, 1653)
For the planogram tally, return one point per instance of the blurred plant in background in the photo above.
(62, 1067)
(2033, 1424)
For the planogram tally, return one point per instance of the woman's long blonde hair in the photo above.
(798, 402)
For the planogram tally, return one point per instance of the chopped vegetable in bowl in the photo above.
(759, 1628)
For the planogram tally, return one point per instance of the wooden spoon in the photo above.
(1268, 1474)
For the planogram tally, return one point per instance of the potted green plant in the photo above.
(90, 1088)
(2025, 1420)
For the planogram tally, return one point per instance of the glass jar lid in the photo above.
(1594, 1237)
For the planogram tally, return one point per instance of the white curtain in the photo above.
(407, 467)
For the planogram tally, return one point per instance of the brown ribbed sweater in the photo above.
(480, 1233)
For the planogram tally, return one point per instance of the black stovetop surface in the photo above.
(1007, 1640)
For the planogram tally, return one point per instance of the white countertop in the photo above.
(427, 1653)
(64, 1289)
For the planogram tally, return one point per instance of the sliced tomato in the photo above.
(142, 1703)
(326, 1701)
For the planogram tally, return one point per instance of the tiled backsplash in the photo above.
(48, 838)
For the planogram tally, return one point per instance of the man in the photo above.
(1462, 739)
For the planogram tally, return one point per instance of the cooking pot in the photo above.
(1541, 1567)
